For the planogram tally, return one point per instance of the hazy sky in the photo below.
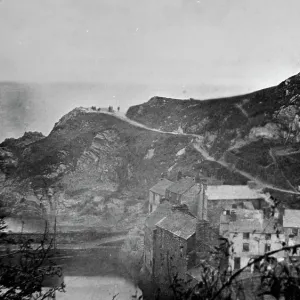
(172, 46)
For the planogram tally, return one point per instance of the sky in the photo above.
(139, 48)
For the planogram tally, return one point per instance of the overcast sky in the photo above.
(187, 48)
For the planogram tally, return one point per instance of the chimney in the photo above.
(179, 175)
(202, 238)
(197, 178)
(201, 200)
(252, 184)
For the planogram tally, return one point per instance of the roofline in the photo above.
(183, 191)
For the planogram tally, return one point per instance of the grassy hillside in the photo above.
(243, 129)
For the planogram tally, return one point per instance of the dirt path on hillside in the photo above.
(240, 107)
(202, 151)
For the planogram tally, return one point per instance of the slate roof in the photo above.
(291, 218)
(231, 192)
(161, 211)
(252, 221)
(180, 224)
(161, 186)
(181, 186)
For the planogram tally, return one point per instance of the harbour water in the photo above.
(98, 287)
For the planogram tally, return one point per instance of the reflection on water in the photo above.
(97, 287)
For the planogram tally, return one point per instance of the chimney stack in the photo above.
(202, 237)
(252, 184)
(201, 200)
(179, 175)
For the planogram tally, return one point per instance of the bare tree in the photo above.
(26, 268)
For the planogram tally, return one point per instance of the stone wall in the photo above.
(148, 249)
(154, 200)
(170, 258)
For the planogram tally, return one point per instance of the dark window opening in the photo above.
(246, 235)
(237, 263)
(245, 247)
(268, 236)
(267, 248)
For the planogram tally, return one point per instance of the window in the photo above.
(246, 235)
(245, 247)
(268, 236)
(150, 208)
(267, 248)
(295, 231)
(237, 263)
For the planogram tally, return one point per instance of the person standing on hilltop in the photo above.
(118, 108)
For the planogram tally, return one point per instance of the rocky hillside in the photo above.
(94, 169)
(258, 133)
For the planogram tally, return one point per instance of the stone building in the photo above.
(163, 210)
(174, 241)
(291, 227)
(219, 197)
(182, 190)
(187, 191)
(251, 235)
(157, 192)
(182, 243)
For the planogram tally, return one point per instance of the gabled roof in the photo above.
(161, 186)
(231, 192)
(179, 223)
(181, 186)
(163, 210)
(291, 218)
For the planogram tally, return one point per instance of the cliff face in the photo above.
(92, 170)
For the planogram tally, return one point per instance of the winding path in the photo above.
(202, 151)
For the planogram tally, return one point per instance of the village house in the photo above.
(163, 210)
(182, 242)
(187, 191)
(157, 192)
(251, 235)
(219, 197)
(291, 227)
(174, 239)
(184, 191)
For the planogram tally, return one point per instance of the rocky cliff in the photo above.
(94, 169)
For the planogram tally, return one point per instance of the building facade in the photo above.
(251, 235)
(291, 227)
(157, 192)
(219, 197)
(174, 239)
(163, 210)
